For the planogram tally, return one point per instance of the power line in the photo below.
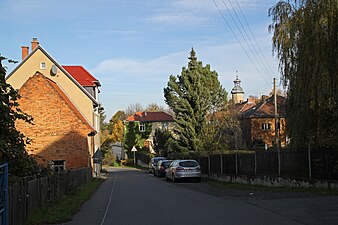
(248, 39)
(260, 50)
(225, 20)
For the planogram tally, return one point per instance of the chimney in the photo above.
(264, 97)
(24, 51)
(251, 100)
(35, 43)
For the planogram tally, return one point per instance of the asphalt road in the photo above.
(133, 197)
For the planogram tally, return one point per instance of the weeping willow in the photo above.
(305, 40)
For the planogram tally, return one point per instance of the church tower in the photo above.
(237, 91)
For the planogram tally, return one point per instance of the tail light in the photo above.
(198, 169)
(179, 169)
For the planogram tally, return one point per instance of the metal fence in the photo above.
(321, 164)
(4, 194)
(29, 194)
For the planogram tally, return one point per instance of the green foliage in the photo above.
(118, 116)
(162, 141)
(64, 209)
(112, 132)
(222, 131)
(193, 95)
(12, 141)
(305, 39)
(134, 137)
(109, 159)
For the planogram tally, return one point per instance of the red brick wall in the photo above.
(58, 132)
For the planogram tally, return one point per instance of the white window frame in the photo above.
(142, 127)
(266, 126)
(43, 65)
(58, 165)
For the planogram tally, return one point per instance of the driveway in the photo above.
(130, 196)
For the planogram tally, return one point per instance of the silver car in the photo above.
(180, 169)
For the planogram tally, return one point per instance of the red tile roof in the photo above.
(150, 117)
(82, 76)
(266, 108)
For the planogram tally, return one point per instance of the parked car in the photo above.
(180, 169)
(153, 163)
(162, 165)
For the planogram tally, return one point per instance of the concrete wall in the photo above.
(275, 181)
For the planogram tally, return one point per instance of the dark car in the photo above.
(162, 165)
(153, 163)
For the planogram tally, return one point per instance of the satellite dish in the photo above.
(53, 70)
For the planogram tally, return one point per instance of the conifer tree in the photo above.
(192, 95)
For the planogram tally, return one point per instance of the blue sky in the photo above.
(132, 46)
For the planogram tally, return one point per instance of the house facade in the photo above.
(258, 124)
(139, 129)
(257, 118)
(64, 111)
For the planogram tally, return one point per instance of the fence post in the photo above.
(221, 163)
(6, 193)
(236, 160)
(255, 163)
(279, 161)
(309, 158)
(209, 164)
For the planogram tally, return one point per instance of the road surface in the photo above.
(133, 197)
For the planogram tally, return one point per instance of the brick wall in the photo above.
(59, 131)
(268, 136)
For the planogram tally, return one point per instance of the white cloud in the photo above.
(196, 12)
(156, 68)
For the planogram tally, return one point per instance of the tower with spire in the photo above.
(237, 92)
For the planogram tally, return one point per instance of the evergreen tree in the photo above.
(162, 139)
(12, 141)
(306, 41)
(192, 95)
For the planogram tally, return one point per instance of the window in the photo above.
(42, 65)
(266, 126)
(142, 127)
(165, 126)
(59, 166)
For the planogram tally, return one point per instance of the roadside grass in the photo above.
(63, 209)
(252, 187)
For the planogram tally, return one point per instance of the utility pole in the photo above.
(276, 123)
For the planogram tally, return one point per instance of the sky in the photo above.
(133, 46)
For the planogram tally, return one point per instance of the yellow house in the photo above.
(86, 103)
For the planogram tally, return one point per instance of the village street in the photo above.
(130, 196)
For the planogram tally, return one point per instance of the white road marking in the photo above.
(110, 197)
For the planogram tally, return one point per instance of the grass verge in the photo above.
(63, 210)
(252, 187)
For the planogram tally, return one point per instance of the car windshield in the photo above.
(166, 163)
(188, 164)
(158, 159)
